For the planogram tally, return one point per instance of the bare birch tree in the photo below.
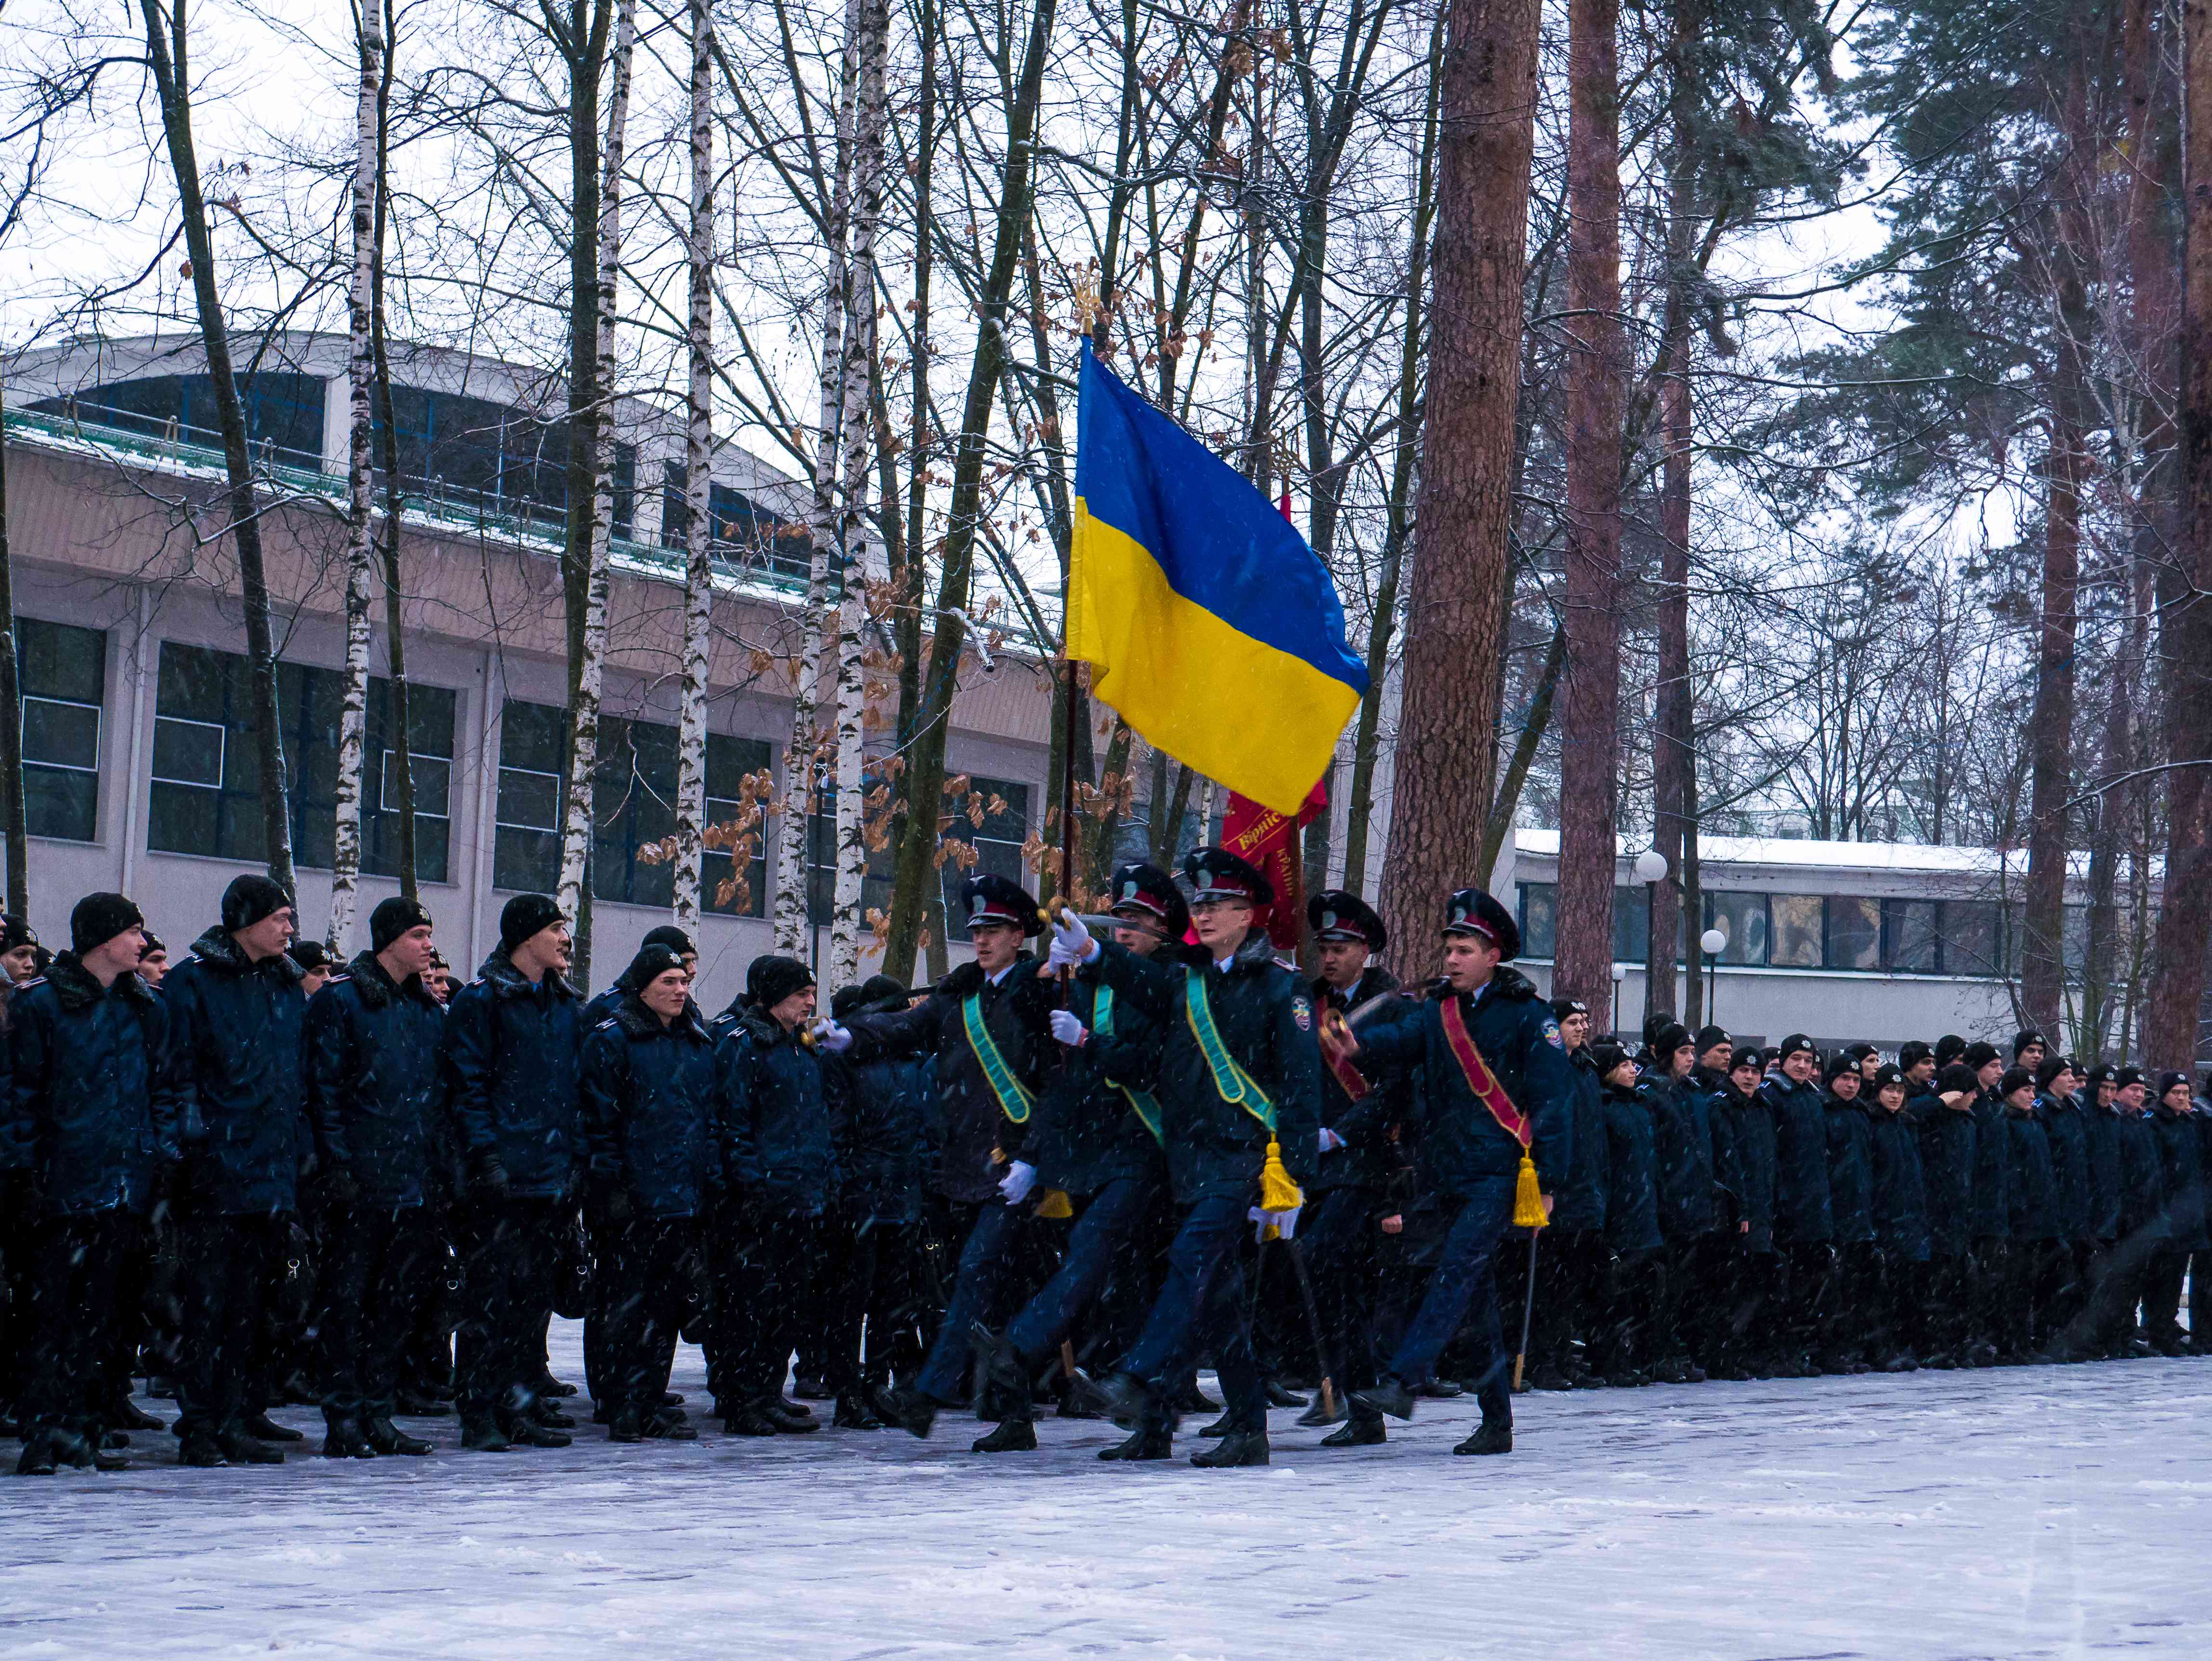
(698, 461)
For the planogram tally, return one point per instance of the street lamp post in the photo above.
(1651, 870)
(1619, 973)
(1713, 942)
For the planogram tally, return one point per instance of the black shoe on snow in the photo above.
(669, 1398)
(268, 1430)
(411, 1406)
(911, 1411)
(624, 1425)
(38, 1458)
(1319, 1414)
(202, 1451)
(1357, 1433)
(1441, 1389)
(669, 1425)
(1079, 1399)
(1012, 1436)
(1280, 1397)
(549, 1385)
(746, 1422)
(1489, 1437)
(240, 1449)
(1194, 1399)
(854, 1413)
(344, 1440)
(785, 1413)
(1144, 1444)
(526, 1432)
(1239, 1447)
(482, 1435)
(125, 1414)
(1390, 1396)
(545, 1414)
(810, 1388)
(1219, 1427)
(386, 1438)
(1122, 1395)
(1550, 1378)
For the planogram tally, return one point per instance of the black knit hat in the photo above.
(14, 932)
(1887, 1075)
(1672, 1036)
(2049, 1068)
(1709, 1038)
(1948, 1049)
(1795, 1041)
(1749, 1058)
(153, 943)
(1607, 1055)
(2015, 1078)
(392, 918)
(2127, 1075)
(98, 918)
(650, 964)
(874, 990)
(1979, 1056)
(2168, 1080)
(773, 978)
(249, 899)
(1913, 1054)
(1841, 1063)
(2103, 1073)
(1562, 1007)
(310, 955)
(526, 914)
(2021, 1039)
(1956, 1078)
(674, 939)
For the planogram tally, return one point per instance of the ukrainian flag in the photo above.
(1207, 622)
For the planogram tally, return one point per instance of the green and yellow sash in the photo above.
(1237, 1086)
(1014, 1101)
(1141, 1102)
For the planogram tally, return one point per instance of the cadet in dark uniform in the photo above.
(2066, 1126)
(1239, 1080)
(1683, 1130)
(987, 1024)
(1804, 1225)
(1636, 1277)
(2100, 1136)
(2031, 1264)
(1847, 1312)
(1498, 1092)
(2181, 1213)
(1097, 1138)
(1900, 1229)
(1743, 1163)
(93, 1119)
(1339, 1235)
(1992, 1215)
(2142, 1219)
(1942, 1119)
(377, 1098)
(1572, 1269)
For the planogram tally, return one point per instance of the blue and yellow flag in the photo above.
(1207, 622)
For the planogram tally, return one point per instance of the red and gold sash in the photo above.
(1333, 1033)
(1480, 1079)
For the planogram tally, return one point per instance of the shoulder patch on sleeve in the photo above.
(1302, 1013)
(1552, 1035)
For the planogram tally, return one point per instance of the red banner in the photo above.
(1269, 840)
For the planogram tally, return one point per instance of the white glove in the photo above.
(1019, 1180)
(1068, 1030)
(1070, 941)
(1284, 1223)
(1330, 1141)
(828, 1036)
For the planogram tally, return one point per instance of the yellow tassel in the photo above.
(1277, 1192)
(1528, 1198)
(1055, 1205)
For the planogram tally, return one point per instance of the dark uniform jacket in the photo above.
(2064, 1127)
(2027, 1178)
(891, 1130)
(1632, 1200)
(1682, 1124)
(93, 1108)
(1991, 1209)
(1744, 1156)
(1899, 1195)
(1802, 1214)
(2180, 1178)
(513, 1053)
(2100, 1139)
(1086, 1133)
(375, 1091)
(1580, 1203)
(779, 1129)
(1948, 1163)
(1216, 1149)
(651, 1111)
(235, 1056)
(1851, 1169)
(1015, 1011)
(1461, 1147)
(1367, 1158)
(2143, 1179)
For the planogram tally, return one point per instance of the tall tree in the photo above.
(698, 463)
(15, 814)
(399, 736)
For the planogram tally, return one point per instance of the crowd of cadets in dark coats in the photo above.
(258, 1177)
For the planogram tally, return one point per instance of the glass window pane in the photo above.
(59, 803)
(1972, 943)
(526, 861)
(61, 734)
(1854, 933)
(530, 800)
(55, 660)
(1742, 918)
(2076, 940)
(533, 736)
(1631, 924)
(182, 820)
(1539, 919)
(1909, 936)
(1795, 941)
(188, 753)
(433, 777)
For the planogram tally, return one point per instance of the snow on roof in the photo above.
(1805, 854)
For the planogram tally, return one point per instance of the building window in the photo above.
(63, 672)
(1631, 924)
(991, 817)
(742, 530)
(1853, 934)
(206, 794)
(730, 762)
(1972, 937)
(1795, 940)
(1742, 918)
(1909, 937)
(822, 857)
(1539, 919)
(283, 412)
(527, 823)
(492, 457)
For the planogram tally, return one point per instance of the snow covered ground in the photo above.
(2037, 1511)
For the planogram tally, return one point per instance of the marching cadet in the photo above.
(1900, 1229)
(93, 1117)
(2181, 1213)
(1571, 1271)
(649, 1094)
(1942, 1119)
(1804, 1225)
(2031, 1264)
(1239, 1089)
(512, 1041)
(987, 1024)
(1495, 1123)
(1844, 1318)
(1097, 1139)
(1744, 1165)
(377, 1099)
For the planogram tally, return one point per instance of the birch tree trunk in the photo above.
(793, 884)
(859, 354)
(15, 812)
(399, 734)
(361, 550)
(698, 461)
(574, 895)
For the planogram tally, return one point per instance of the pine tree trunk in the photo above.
(165, 52)
(1463, 514)
(360, 530)
(869, 116)
(1597, 387)
(698, 463)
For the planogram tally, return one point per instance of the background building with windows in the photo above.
(141, 768)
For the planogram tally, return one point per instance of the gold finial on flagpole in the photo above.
(1086, 301)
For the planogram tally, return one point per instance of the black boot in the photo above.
(854, 1412)
(1239, 1447)
(124, 1414)
(344, 1440)
(787, 1413)
(412, 1406)
(268, 1430)
(1319, 1413)
(669, 1425)
(1491, 1436)
(241, 1449)
(1013, 1435)
(38, 1458)
(1222, 1427)
(1389, 1397)
(549, 1385)
(1280, 1397)
(386, 1438)
(1191, 1399)
(912, 1411)
(1123, 1394)
(746, 1422)
(482, 1435)
(1361, 1433)
(624, 1425)
(202, 1451)
(525, 1431)
(1146, 1444)
(542, 1412)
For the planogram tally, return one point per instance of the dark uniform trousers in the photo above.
(1571, 1269)
(2161, 1297)
(1853, 1301)
(1897, 1316)
(991, 1261)
(1698, 1272)
(75, 1266)
(1751, 1337)
(228, 1261)
(1635, 1311)
(1947, 1305)
(2032, 1277)
(769, 1272)
(1991, 1276)
(374, 1270)
(1106, 1219)
(644, 1289)
(875, 1332)
(2117, 1280)
(426, 1364)
(1340, 1237)
(1201, 1307)
(1464, 1288)
(1809, 1282)
(510, 1252)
